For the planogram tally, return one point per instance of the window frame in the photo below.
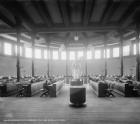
(126, 53)
(118, 54)
(54, 57)
(37, 53)
(78, 54)
(89, 58)
(9, 52)
(73, 57)
(97, 56)
(63, 58)
(21, 50)
(107, 53)
(27, 53)
(45, 56)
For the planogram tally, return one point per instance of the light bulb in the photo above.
(76, 38)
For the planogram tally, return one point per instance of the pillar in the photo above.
(67, 58)
(85, 56)
(48, 60)
(105, 55)
(121, 54)
(18, 55)
(137, 52)
(33, 54)
(131, 48)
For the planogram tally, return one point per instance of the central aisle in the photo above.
(57, 110)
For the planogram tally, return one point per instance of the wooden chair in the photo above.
(20, 90)
(109, 91)
(45, 90)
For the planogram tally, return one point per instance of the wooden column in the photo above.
(86, 71)
(131, 48)
(111, 52)
(33, 54)
(48, 63)
(105, 57)
(121, 54)
(85, 58)
(67, 58)
(66, 61)
(137, 52)
(18, 55)
(2, 48)
(23, 51)
(105, 47)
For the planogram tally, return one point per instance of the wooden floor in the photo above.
(58, 111)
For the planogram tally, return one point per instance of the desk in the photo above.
(3, 90)
(27, 90)
(77, 95)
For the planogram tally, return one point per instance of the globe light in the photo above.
(76, 38)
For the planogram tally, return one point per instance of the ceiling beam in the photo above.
(94, 28)
(108, 4)
(121, 9)
(78, 28)
(17, 11)
(109, 11)
(87, 11)
(132, 19)
(3, 16)
(127, 17)
(6, 20)
(63, 7)
(26, 20)
(14, 38)
(43, 12)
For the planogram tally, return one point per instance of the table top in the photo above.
(78, 86)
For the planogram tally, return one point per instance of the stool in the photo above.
(20, 92)
(136, 92)
(109, 92)
(44, 92)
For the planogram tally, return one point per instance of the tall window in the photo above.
(63, 55)
(7, 49)
(72, 55)
(126, 51)
(38, 53)
(89, 54)
(97, 54)
(0, 44)
(55, 55)
(80, 54)
(134, 49)
(16, 50)
(45, 54)
(116, 52)
(139, 49)
(28, 52)
(107, 53)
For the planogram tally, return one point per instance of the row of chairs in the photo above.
(21, 90)
(45, 90)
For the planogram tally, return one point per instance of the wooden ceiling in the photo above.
(59, 21)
